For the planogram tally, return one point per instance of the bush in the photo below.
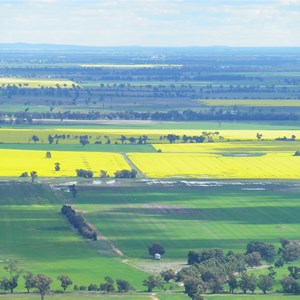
(84, 173)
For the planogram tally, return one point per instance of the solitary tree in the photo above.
(57, 166)
(156, 249)
(65, 281)
(42, 283)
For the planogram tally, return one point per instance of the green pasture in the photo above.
(34, 233)
(190, 217)
(126, 148)
(77, 296)
(182, 296)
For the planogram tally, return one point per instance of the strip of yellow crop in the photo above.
(36, 83)
(155, 136)
(15, 162)
(230, 147)
(166, 165)
(251, 103)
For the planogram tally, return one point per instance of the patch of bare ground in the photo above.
(156, 208)
(155, 266)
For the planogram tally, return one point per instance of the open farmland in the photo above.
(36, 83)
(192, 215)
(15, 162)
(198, 165)
(34, 233)
(251, 103)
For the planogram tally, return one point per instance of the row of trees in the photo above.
(173, 115)
(103, 174)
(79, 223)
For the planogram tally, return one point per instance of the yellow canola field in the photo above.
(24, 135)
(36, 83)
(15, 162)
(165, 165)
(251, 103)
(230, 147)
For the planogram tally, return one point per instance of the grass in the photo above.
(190, 217)
(34, 233)
(119, 148)
(104, 124)
(81, 296)
(229, 297)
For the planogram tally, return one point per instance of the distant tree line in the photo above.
(79, 223)
(172, 115)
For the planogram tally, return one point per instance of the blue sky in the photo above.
(151, 22)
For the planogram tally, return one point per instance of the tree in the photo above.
(29, 281)
(123, 286)
(92, 287)
(73, 189)
(83, 140)
(50, 139)
(289, 285)
(57, 166)
(291, 251)
(35, 138)
(167, 275)
(259, 136)
(42, 283)
(232, 283)
(253, 259)
(33, 175)
(247, 282)
(152, 282)
(192, 286)
(294, 272)
(13, 275)
(265, 283)
(65, 281)
(103, 174)
(108, 286)
(156, 249)
(4, 284)
(267, 251)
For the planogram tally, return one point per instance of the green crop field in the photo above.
(192, 217)
(34, 233)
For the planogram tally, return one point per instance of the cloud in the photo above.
(151, 22)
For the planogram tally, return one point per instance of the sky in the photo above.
(177, 23)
